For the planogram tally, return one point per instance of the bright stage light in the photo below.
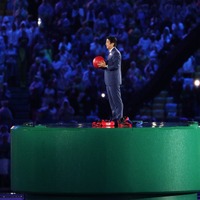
(39, 21)
(196, 83)
(103, 95)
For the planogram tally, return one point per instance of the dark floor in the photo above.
(15, 196)
(11, 196)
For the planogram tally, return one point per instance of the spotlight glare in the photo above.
(103, 95)
(39, 21)
(197, 83)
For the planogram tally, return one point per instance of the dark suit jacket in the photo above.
(112, 75)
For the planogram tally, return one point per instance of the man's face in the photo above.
(109, 45)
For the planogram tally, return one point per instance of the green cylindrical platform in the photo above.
(116, 163)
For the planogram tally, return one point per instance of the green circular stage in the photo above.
(58, 162)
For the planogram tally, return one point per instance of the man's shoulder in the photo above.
(115, 50)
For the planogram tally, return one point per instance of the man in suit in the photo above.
(113, 78)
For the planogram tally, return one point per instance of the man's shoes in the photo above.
(125, 122)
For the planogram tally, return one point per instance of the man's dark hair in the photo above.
(112, 39)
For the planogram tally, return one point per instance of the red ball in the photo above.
(97, 60)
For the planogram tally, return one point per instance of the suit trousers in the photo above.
(115, 101)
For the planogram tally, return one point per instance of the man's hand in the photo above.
(102, 64)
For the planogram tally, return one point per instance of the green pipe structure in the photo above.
(161, 163)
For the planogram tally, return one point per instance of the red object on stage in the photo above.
(97, 60)
(103, 124)
(124, 122)
(108, 123)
